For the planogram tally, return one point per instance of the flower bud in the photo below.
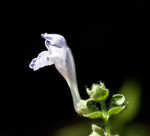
(98, 92)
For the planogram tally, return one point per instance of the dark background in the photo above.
(109, 44)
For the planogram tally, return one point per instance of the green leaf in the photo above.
(93, 115)
(87, 106)
(89, 109)
(97, 131)
(117, 105)
(95, 134)
(118, 100)
(98, 92)
(115, 110)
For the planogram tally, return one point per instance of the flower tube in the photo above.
(59, 54)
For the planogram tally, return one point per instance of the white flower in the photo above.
(59, 54)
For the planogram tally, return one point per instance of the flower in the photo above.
(59, 54)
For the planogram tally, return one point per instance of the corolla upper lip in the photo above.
(54, 40)
(43, 35)
(46, 37)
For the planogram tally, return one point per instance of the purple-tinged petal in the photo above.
(42, 60)
(59, 54)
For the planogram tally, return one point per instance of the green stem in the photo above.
(107, 128)
(105, 117)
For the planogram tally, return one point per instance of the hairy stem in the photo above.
(105, 117)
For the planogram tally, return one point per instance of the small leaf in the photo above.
(97, 131)
(93, 115)
(89, 109)
(95, 134)
(118, 100)
(115, 110)
(87, 106)
(98, 92)
(117, 105)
